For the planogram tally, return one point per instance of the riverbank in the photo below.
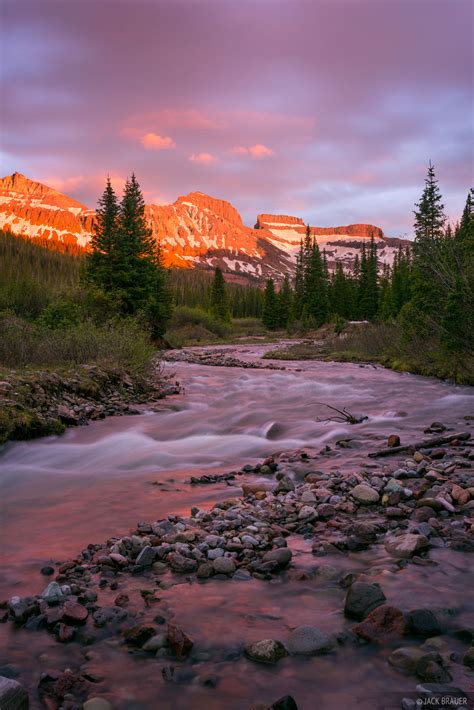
(39, 402)
(380, 344)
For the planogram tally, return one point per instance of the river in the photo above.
(60, 493)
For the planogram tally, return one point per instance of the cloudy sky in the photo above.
(325, 109)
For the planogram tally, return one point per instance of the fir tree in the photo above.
(99, 268)
(285, 298)
(219, 301)
(270, 317)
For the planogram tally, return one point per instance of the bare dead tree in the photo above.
(342, 415)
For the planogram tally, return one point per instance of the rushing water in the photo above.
(59, 494)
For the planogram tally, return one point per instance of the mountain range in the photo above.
(196, 231)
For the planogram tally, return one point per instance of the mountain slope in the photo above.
(195, 231)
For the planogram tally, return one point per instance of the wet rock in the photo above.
(365, 495)
(430, 669)
(285, 485)
(406, 658)
(282, 556)
(265, 651)
(155, 643)
(422, 622)
(460, 495)
(224, 565)
(382, 624)
(432, 503)
(138, 635)
(179, 642)
(406, 545)
(310, 641)
(47, 571)
(205, 570)
(393, 440)
(108, 615)
(179, 563)
(284, 703)
(53, 593)
(361, 599)
(13, 696)
(146, 557)
(468, 658)
(74, 613)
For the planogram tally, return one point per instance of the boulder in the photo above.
(224, 565)
(281, 555)
(422, 622)
(382, 624)
(365, 495)
(179, 642)
(361, 599)
(309, 641)
(13, 695)
(406, 545)
(265, 651)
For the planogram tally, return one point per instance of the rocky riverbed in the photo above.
(313, 576)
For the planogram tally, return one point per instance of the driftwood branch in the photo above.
(343, 415)
(426, 444)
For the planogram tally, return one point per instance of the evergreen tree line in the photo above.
(194, 288)
(429, 289)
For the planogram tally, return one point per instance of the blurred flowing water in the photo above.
(61, 493)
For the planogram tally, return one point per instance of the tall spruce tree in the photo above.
(126, 261)
(285, 299)
(429, 278)
(219, 301)
(270, 317)
(99, 268)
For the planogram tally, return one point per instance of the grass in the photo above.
(383, 343)
(120, 345)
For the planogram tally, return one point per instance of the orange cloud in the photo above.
(256, 151)
(152, 141)
(204, 158)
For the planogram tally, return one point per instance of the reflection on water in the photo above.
(60, 494)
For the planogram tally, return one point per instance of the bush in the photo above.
(123, 344)
(190, 335)
(184, 316)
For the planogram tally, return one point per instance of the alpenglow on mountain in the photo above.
(196, 231)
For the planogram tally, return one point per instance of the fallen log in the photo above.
(426, 444)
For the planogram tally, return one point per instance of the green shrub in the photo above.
(184, 316)
(120, 344)
(190, 335)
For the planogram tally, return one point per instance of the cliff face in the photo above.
(35, 210)
(195, 231)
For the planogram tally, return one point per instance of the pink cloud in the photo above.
(256, 151)
(152, 141)
(204, 158)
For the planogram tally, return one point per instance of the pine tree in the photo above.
(298, 300)
(270, 317)
(340, 293)
(368, 283)
(285, 299)
(99, 269)
(219, 301)
(429, 278)
(126, 261)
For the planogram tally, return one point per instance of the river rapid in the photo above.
(61, 493)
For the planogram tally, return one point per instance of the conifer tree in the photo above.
(219, 300)
(298, 300)
(99, 268)
(285, 298)
(270, 317)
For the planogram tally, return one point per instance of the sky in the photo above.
(325, 109)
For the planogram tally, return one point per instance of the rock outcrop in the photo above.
(195, 231)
